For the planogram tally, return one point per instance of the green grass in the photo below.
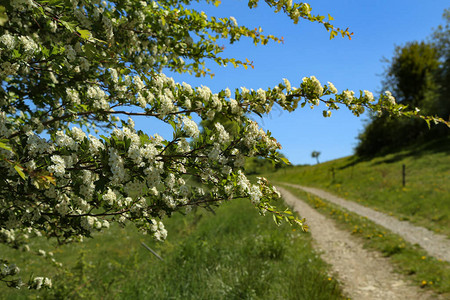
(377, 183)
(236, 254)
(410, 260)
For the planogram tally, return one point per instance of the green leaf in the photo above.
(85, 34)
(174, 125)
(285, 160)
(16, 53)
(333, 34)
(275, 219)
(144, 138)
(106, 139)
(3, 15)
(45, 51)
(19, 170)
(5, 146)
(69, 26)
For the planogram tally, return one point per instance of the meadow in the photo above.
(232, 254)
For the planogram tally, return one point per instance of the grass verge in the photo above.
(411, 260)
(235, 254)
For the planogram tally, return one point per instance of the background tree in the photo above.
(315, 154)
(411, 75)
(441, 40)
(69, 67)
(418, 77)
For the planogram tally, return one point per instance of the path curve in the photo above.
(437, 245)
(364, 274)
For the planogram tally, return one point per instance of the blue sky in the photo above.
(378, 26)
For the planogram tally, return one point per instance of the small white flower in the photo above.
(261, 94)
(223, 135)
(369, 95)
(38, 281)
(78, 134)
(109, 197)
(29, 45)
(190, 127)
(233, 19)
(287, 84)
(138, 83)
(105, 224)
(8, 40)
(227, 93)
(391, 99)
(47, 282)
(348, 96)
(332, 88)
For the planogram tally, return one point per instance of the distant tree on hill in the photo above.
(315, 154)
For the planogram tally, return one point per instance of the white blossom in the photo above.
(8, 40)
(390, 98)
(348, 96)
(287, 84)
(255, 194)
(78, 134)
(63, 140)
(332, 88)
(261, 94)
(95, 145)
(190, 127)
(227, 93)
(369, 95)
(233, 19)
(28, 44)
(139, 84)
(223, 136)
(109, 197)
(73, 95)
(59, 167)
(317, 86)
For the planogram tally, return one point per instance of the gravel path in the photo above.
(363, 274)
(436, 245)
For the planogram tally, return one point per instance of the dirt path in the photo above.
(364, 274)
(436, 245)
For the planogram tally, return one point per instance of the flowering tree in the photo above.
(68, 67)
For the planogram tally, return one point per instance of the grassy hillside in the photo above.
(236, 254)
(377, 182)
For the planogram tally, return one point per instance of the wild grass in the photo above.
(235, 254)
(378, 182)
(410, 260)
